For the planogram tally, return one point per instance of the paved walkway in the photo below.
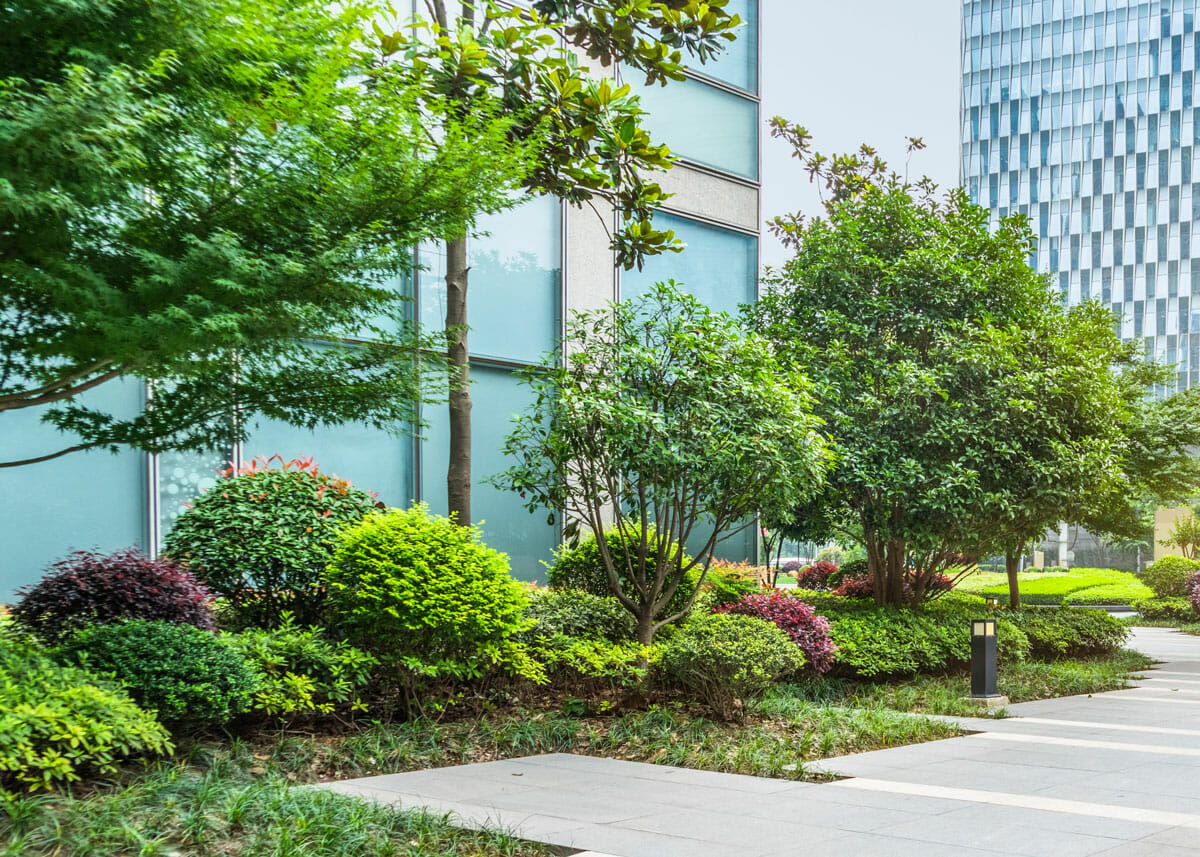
(1113, 774)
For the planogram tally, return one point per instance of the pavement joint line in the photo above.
(1164, 688)
(1083, 742)
(1048, 804)
(1116, 727)
(1169, 680)
(1127, 697)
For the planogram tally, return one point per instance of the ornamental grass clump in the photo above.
(89, 588)
(796, 619)
(261, 537)
(430, 600)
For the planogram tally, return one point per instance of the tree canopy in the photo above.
(212, 196)
(667, 422)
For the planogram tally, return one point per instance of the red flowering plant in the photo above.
(262, 535)
(816, 576)
(89, 588)
(795, 618)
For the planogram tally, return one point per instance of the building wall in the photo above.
(1082, 115)
(532, 266)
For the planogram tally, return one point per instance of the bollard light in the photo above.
(983, 659)
(991, 600)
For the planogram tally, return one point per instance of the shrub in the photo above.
(575, 613)
(581, 567)
(796, 619)
(584, 665)
(1069, 631)
(727, 660)
(855, 587)
(261, 537)
(186, 675)
(58, 722)
(855, 569)
(816, 576)
(90, 588)
(301, 671)
(833, 555)
(1168, 576)
(1076, 585)
(1108, 593)
(729, 581)
(1193, 590)
(429, 599)
(1173, 609)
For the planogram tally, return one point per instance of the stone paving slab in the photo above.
(1109, 774)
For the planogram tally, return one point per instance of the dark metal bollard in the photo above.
(983, 659)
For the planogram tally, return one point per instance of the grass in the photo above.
(946, 694)
(214, 803)
(1077, 586)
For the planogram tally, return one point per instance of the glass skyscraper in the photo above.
(1081, 114)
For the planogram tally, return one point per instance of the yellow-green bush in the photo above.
(429, 599)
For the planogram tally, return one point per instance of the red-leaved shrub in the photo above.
(816, 576)
(1193, 589)
(89, 588)
(797, 619)
(855, 587)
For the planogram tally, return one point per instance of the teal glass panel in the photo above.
(182, 477)
(82, 501)
(528, 538)
(371, 459)
(514, 295)
(737, 65)
(719, 266)
(701, 123)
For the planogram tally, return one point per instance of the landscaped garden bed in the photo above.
(1078, 586)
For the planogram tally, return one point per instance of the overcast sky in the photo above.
(852, 72)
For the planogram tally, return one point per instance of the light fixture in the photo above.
(983, 660)
(991, 600)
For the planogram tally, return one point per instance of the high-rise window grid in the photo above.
(1083, 115)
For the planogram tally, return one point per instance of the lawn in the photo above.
(1078, 586)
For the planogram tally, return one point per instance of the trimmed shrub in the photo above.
(1069, 631)
(1108, 593)
(855, 569)
(429, 599)
(59, 723)
(89, 588)
(261, 537)
(184, 674)
(1077, 586)
(588, 665)
(855, 587)
(728, 581)
(725, 661)
(1168, 576)
(575, 613)
(816, 576)
(301, 671)
(1172, 609)
(1193, 590)
(581, 567)
(796, 619)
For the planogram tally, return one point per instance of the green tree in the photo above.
(211, 196)
(916, 324)
(588, 130)
(667, 423)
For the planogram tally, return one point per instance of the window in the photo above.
(719, 266)
(702, 123)
(737, 65)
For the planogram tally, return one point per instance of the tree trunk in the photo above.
(645, 627)
(1012, 562)
(895, 568)
(458, 472)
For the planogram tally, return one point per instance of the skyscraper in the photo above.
(1081, 115)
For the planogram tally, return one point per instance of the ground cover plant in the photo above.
(1076, 586)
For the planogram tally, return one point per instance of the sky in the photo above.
(853, 72)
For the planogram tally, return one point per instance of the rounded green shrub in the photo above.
(59, 722)
(725, 660)
(1170, 609)
(575, 613)
(184, 674)
(1055, 632)
(301, 671)
(1168, 576)
(429, 599)
(582, 567)
(261, 537)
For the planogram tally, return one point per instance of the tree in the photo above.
(590, 140)
(212, 196)
(667, 422)
(913, 321)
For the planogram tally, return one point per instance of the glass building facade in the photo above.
(520, 294)
(1082, 115)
